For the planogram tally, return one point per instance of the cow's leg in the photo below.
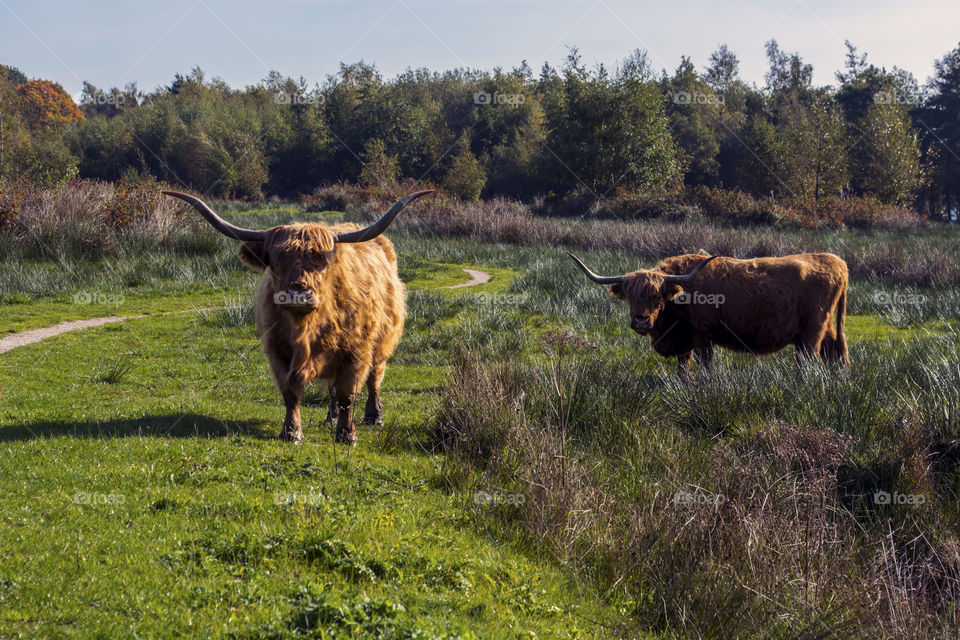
(802, 355)
(291, 390)
(345, 386)
(374, 410)
(292, 393)
(683, 364)
(807, 349)
(830, 347)
(333, 410)
(704, 354)
(810, 341)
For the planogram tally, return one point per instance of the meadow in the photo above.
(541, 472)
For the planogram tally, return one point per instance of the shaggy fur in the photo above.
(347, 324)
(757, 306)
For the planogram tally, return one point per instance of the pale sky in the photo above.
(114, 42)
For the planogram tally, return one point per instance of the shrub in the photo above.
(11, 199)
(91, 219)
(347, 196)
(734, 207)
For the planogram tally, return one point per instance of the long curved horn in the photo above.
(688, 277)
(380, 225)
(218, 223)
(595, 277)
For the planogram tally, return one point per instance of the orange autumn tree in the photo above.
(45, 106)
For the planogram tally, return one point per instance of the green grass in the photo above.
(160, 488)
(424, 274)
(871, 327)
(32, 314)
(153, 480)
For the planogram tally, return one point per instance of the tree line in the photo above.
(875, 133)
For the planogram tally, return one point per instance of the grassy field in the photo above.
(525, 481)
(143, 481)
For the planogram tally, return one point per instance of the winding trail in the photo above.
(476, 277)
(37, 335)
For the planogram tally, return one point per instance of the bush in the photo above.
(91, 219)
(734, 207)
(350, 197)
(11, 199)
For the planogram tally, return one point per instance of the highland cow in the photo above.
(689, 303)
(330, 307)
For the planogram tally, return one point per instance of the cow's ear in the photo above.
(616, 290)
(255, 254)
(670, 290)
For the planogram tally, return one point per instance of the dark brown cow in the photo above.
(688, 304)
(331, 306)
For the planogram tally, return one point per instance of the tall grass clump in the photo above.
(755, 501)
(94, 220)
(734, 207)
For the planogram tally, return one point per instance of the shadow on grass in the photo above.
(184, 425)
(393, 437)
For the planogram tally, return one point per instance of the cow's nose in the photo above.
(640, 323)
(296, 299)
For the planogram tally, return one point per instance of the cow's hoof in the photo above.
(293, 437)
(346, 438)
(373, 420)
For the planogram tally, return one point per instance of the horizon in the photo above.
(237, 42)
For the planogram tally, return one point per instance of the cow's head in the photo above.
(297, 254)
(647, 291)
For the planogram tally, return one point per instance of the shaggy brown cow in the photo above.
(688, 304)
(330, 307)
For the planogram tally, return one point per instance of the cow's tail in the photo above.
(834, 345)
(843, 356)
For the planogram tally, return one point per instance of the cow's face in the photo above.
(648, 295)
(297, 256)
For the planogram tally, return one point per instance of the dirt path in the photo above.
(36, 335)
(476, 277)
